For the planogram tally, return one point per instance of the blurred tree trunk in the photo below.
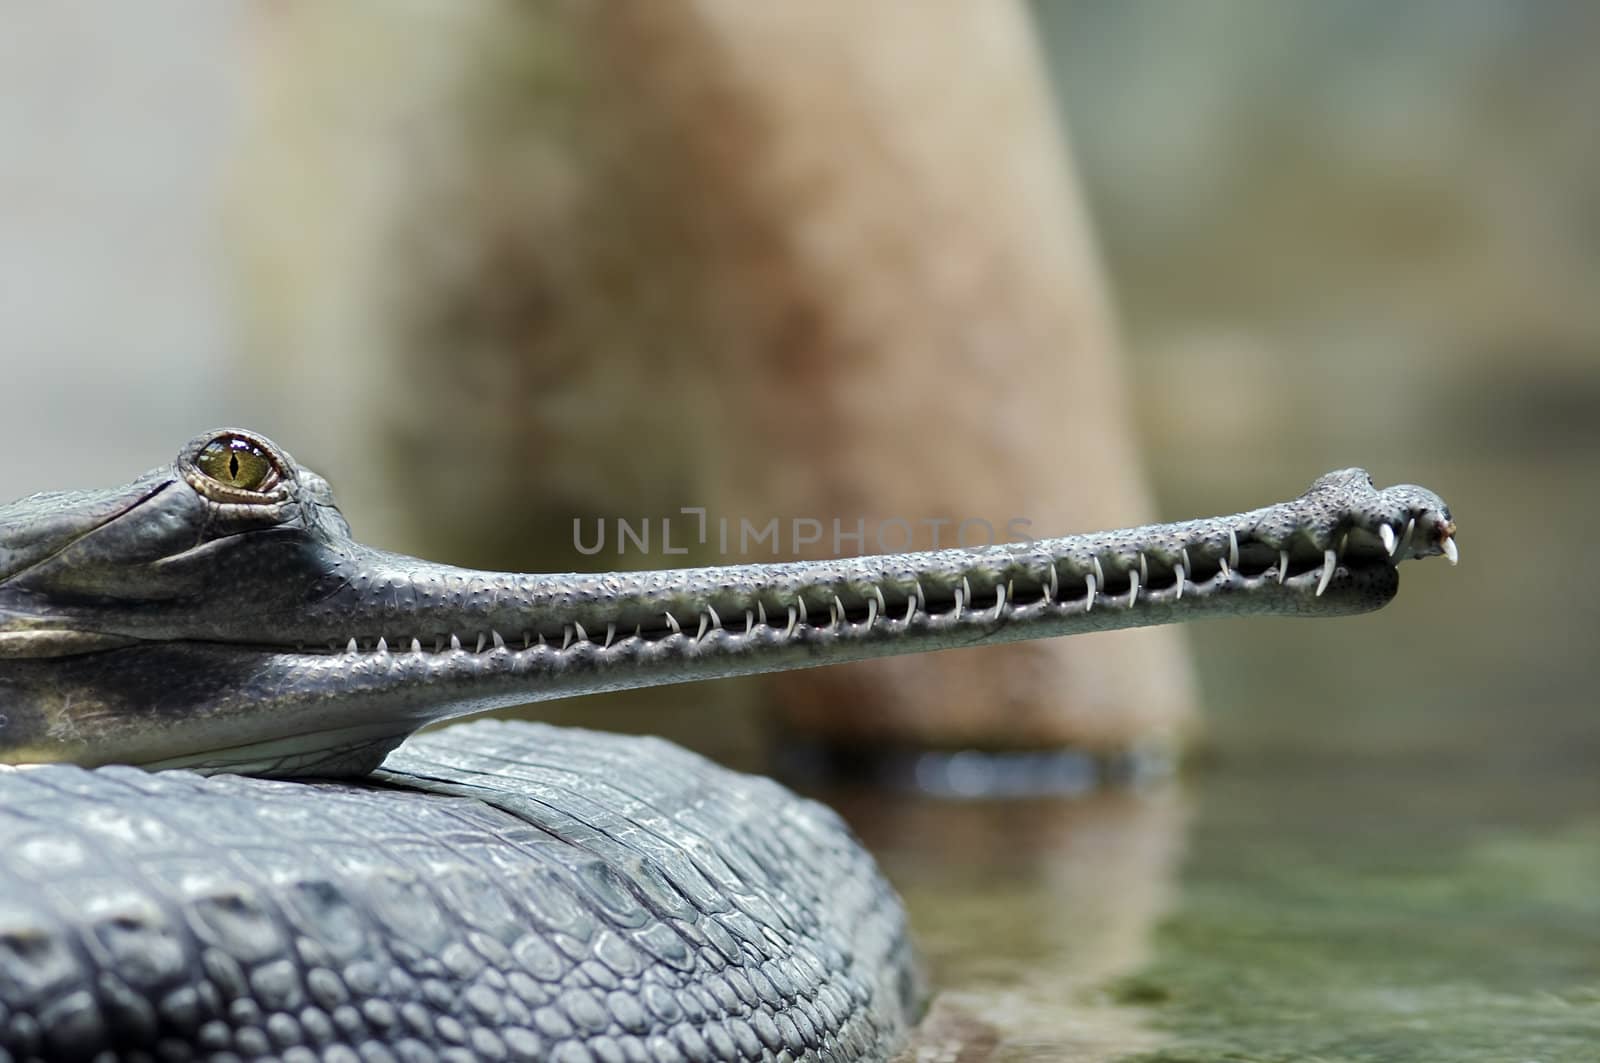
(562, 260)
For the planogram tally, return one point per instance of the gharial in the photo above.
(498, 889)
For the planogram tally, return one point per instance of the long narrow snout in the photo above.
(308, 653)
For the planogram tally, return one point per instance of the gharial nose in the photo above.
(1444, 529)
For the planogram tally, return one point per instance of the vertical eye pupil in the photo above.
(238, 463)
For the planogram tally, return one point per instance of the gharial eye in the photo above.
(238, 463)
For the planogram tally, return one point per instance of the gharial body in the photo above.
(495, 890)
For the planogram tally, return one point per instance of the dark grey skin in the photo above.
(180, 621)
(495, 890)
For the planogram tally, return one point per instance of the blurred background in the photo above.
(1336, 234)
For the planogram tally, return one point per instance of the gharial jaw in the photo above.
(349, 649)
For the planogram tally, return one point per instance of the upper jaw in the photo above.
(1344, 523)
(1417, 524)
(1343, 511)
(351, 593)
(1399, 523)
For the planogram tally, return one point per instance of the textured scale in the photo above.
(496, 891)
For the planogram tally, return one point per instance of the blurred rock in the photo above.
(565, 261)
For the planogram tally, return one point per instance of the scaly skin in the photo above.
(181, 621)
(497, 890)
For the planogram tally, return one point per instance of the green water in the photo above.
(1333, 913)
(1329, 910)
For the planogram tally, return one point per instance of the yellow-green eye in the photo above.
(237, 463)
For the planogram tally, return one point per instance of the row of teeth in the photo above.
(710, 620)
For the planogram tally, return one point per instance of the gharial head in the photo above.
(146, 621)
(217, 614)
(233, 533)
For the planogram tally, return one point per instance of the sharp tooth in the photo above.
(611, 634)
(455, 643)
(1099, 573)
(482, 641)
(1450, 552)
(999, 602)
(704, 623)
(1233, 549)
(958, 600)
(1187, 567)
(911, 608)
(1089, 581)
(1054, 585)
(1283, 565)
(382, 647)
(749, 621)
(761, 612)
(1222, 563)
(672, 623)
(1144, 569)
(922, 598)
(838, 608)
(499, 643)
(527, 640)
(800, 603)
(416, 647)
(1133, 589)
(1390, 543)
(1329, 560)
(1405, 539)
(877, 594)
(352, 648)
(716, 621)
(1344, 543)
(566, 637)
(872, 612)
(794, 618)
(1182, 575)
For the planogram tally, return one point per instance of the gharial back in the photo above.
(497, 890)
